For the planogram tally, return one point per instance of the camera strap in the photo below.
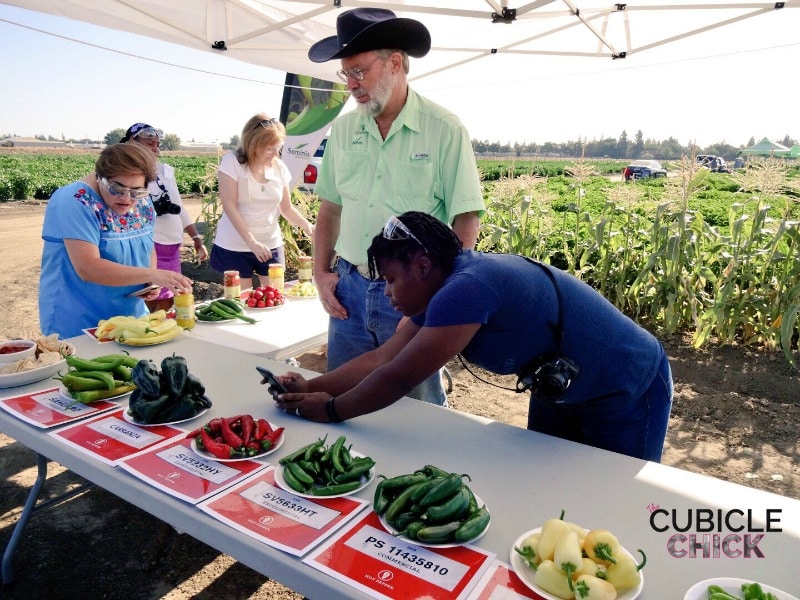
(525, 379)
(524, 383)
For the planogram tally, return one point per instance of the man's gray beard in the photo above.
(379, 97)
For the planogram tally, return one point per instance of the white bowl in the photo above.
(29, 349)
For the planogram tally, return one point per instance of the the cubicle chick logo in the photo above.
(715, 532)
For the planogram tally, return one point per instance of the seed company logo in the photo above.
(713, 533)
(299, 151)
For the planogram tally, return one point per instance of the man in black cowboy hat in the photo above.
(397, 152)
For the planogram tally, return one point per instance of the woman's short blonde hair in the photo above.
(126, 159)
(255, 136)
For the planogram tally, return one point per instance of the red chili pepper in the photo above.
(230, 436)
(248, 426)
(253, 448)
(215, 425)
(263, 428)
(215, 448)
(271, 439)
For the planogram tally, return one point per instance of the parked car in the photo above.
(312, 169)
(716, 164)
(644, 169)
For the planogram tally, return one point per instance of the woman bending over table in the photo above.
(98, 245)
(594, 376)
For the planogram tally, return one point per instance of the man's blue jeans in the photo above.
(371, 322)
(636, 427)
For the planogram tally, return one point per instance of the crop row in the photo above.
(38, 175)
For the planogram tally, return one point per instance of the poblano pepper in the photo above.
(174, 375)
(146, 377)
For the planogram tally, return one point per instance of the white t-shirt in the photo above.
(258, 203)
(169, 228)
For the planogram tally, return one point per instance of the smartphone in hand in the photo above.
(144, 291)
(272, 380)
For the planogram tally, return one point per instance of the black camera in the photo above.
(548, 379)
(165, 206)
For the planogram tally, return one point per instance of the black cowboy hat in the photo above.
(364, 29)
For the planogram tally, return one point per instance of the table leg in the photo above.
(30, 503)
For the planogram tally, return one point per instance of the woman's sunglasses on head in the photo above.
(396, 230)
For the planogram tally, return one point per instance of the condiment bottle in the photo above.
(232, 285)
(184, 310)
(305, 270)
(276, 276)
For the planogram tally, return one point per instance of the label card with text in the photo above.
(110, 437)
(175, 469)
(261, 509)
(49, 408)
(499, 582)
(372, 560)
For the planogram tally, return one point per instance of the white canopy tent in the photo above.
(481, 33)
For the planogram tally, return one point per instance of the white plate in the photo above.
(32, 375)
(365, 481)
(733, 585)
(65, 392)
(210, 456)
(525, 573)
(133, 421)
(393, 531)
(262, 308)
(288, 293)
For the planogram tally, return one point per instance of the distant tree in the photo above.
(752, 142)
(787, 141)
(233, 144)
(638, 145)
(171, 142)
(114, 136)
(623, 145)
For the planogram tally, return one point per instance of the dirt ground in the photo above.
(735, 417)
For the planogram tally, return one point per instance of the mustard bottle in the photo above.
(184, 310)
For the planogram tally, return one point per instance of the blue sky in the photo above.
(729, 85)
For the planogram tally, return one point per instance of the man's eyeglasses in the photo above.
(396, 230)
(267, 123)
(117, 189)
(149, 133)
(357, 73)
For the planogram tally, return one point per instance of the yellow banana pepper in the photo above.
(624, 574)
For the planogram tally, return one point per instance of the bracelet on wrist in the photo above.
(330, 407)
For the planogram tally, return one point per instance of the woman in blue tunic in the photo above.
(594, 375)
(98, 245)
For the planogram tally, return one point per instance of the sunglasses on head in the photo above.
(396, 230)
(149, 133)
(117, 189)
(267, 123)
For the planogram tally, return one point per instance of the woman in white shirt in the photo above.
(172, 219)
(254, 190)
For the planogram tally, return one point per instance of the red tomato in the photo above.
(269, 294)
(251, 302)
(269, 302)
(261, 304)
(258, 294)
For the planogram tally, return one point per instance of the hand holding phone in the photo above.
(144, 291)
(276, 385)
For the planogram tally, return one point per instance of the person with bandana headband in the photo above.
(172, 219)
